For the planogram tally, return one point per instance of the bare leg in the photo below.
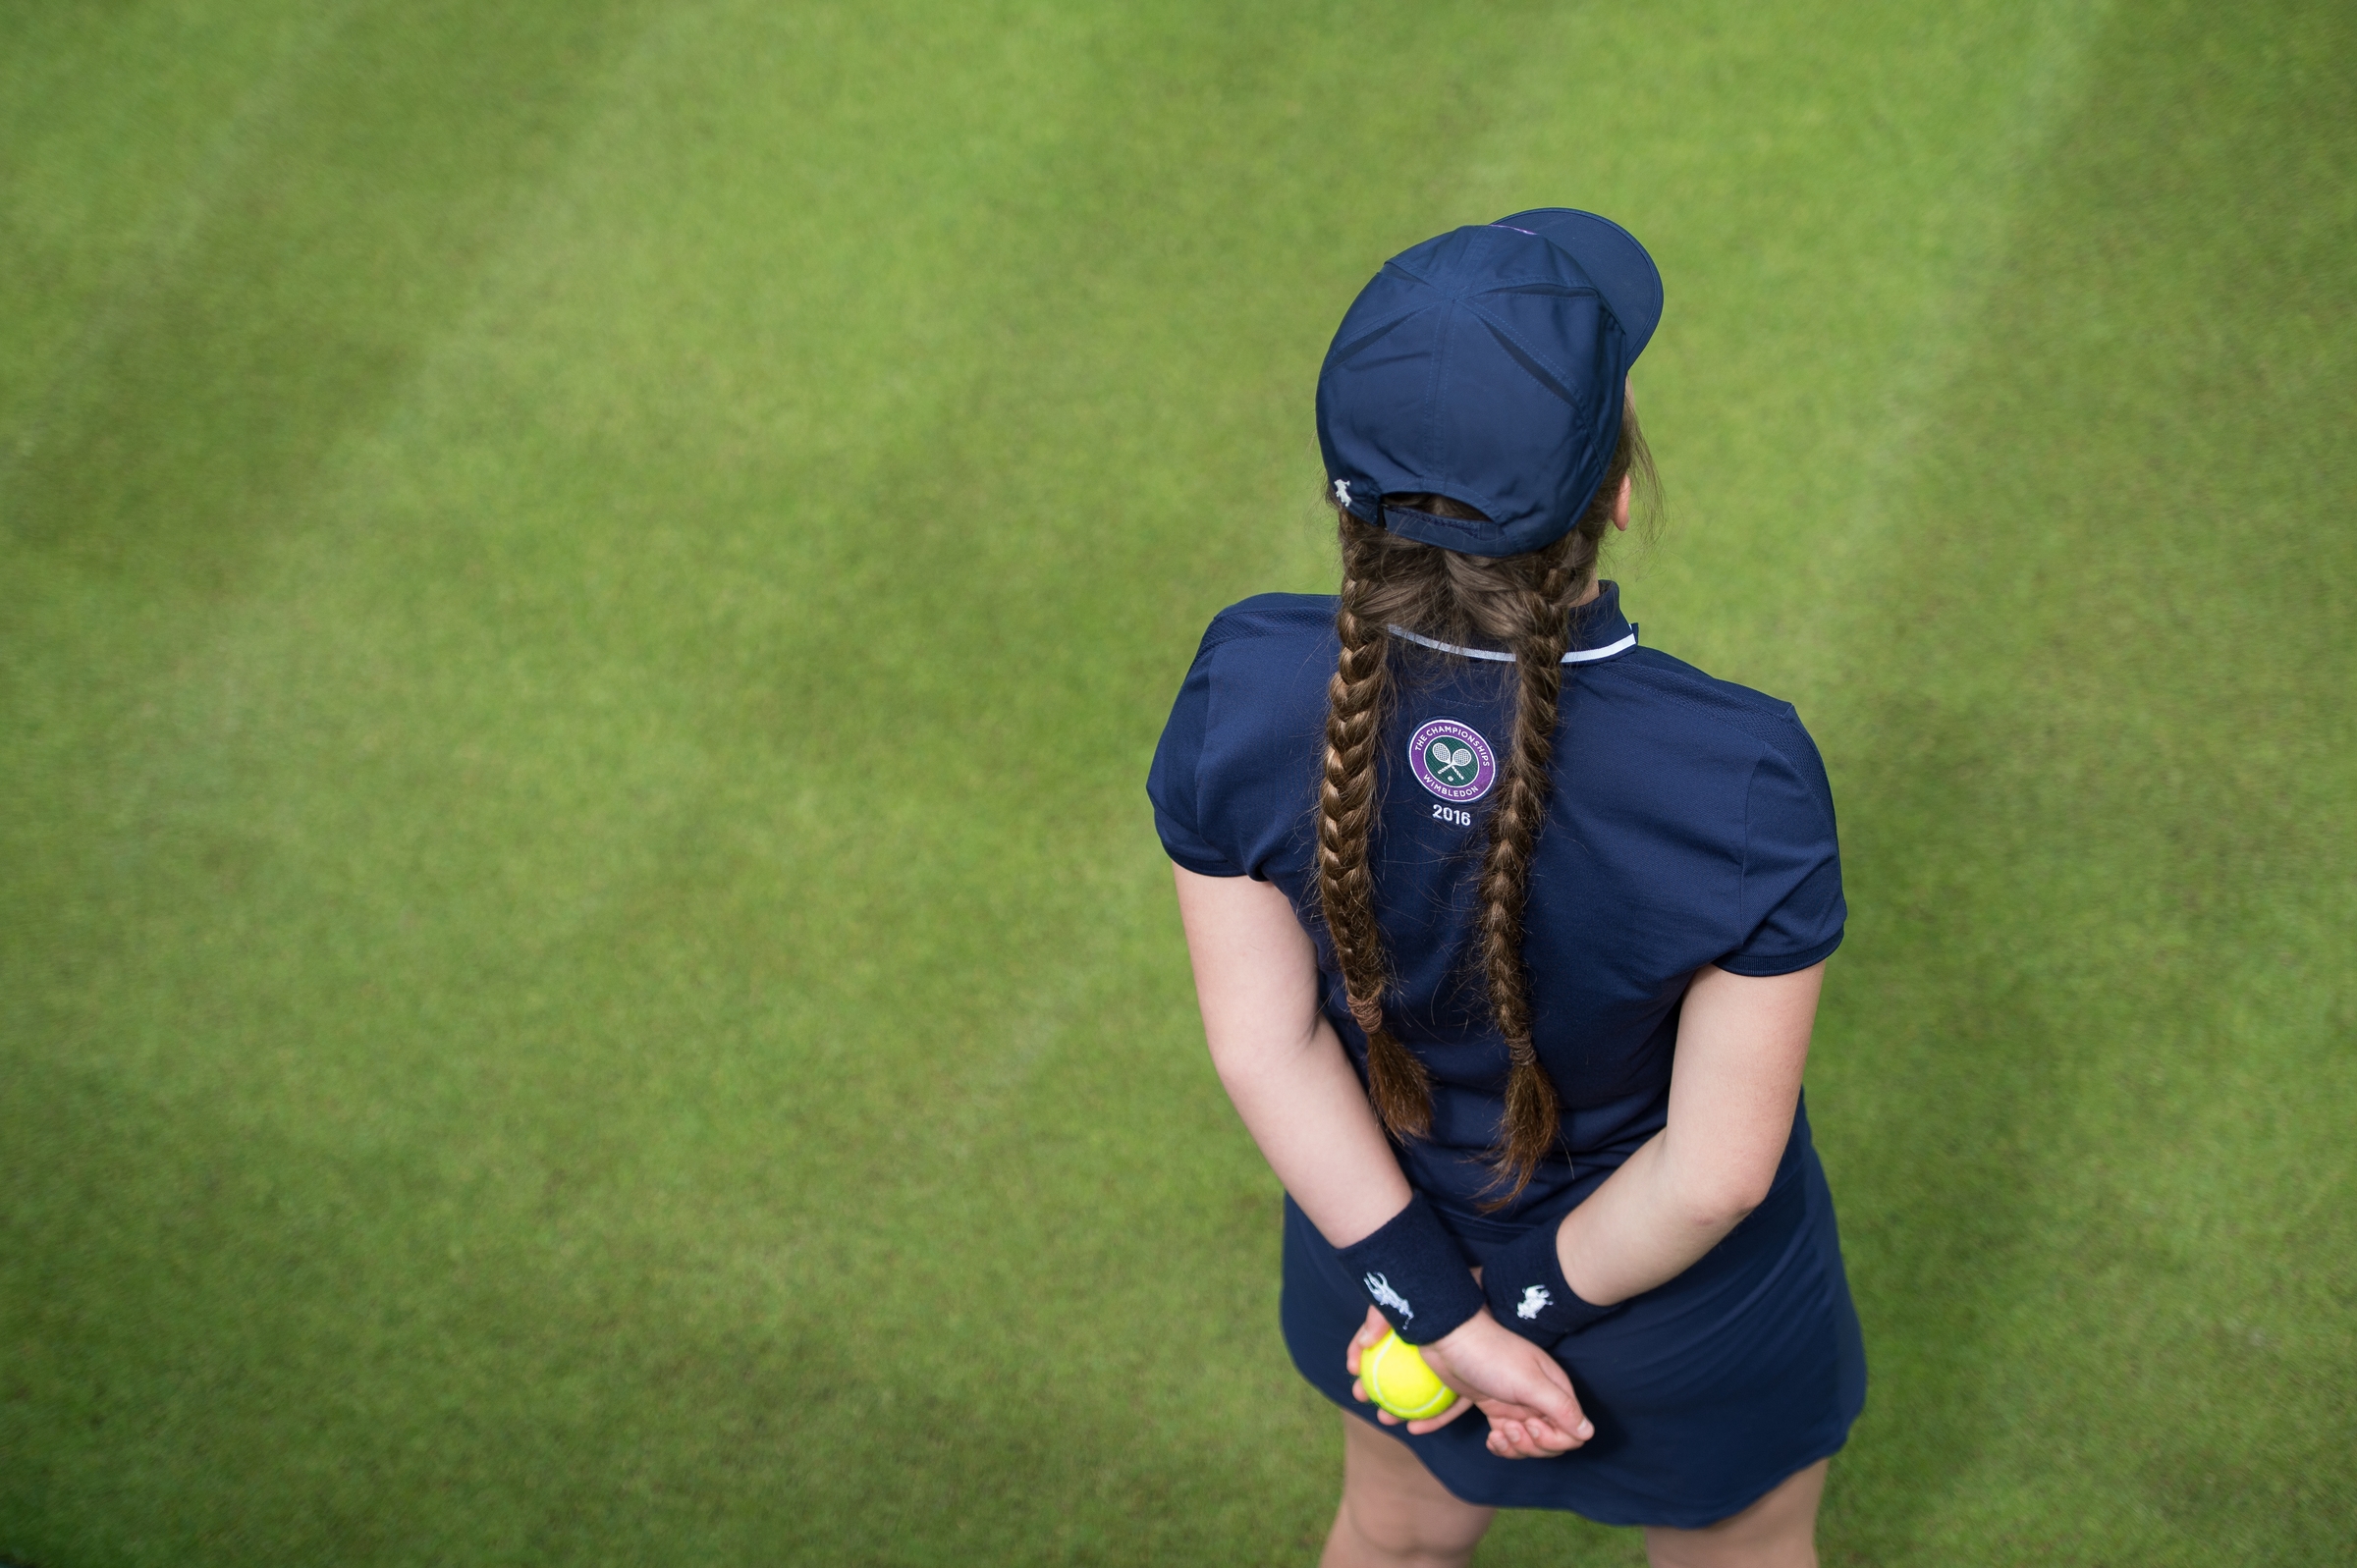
(1780, 1531)
(1393, 1514)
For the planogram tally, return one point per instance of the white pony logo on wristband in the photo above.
(1385, 1296)
(1535, 1300)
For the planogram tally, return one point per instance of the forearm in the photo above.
(1741, 1044)
(1256, 976)
(1305, 1108)
(1638, 1229)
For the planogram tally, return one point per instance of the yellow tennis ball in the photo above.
(1395, 1377)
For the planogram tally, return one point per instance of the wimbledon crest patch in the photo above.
(1452, 760)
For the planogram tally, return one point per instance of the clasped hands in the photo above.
(1523, 1390)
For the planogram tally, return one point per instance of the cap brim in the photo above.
(1610, 255)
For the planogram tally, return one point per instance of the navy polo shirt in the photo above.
(1689, 823)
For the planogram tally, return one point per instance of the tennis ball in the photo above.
(1395, 1375)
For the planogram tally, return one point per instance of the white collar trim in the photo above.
(1578, 656)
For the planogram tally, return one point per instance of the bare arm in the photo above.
(1256, 976)
(1741, 1044)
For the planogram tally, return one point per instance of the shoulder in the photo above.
(1273, 651)
(1304, 619)
(1789, 909)
(1232, 773)
(1733, 714)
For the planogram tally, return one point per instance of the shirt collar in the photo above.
(1598, 630)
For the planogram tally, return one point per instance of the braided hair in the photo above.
(1523, 604)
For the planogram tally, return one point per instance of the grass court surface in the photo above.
(585, 590)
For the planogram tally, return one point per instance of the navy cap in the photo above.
(1487, 366)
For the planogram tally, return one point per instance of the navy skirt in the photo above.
(1706, 1393)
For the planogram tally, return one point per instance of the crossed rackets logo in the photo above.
(1451, 765)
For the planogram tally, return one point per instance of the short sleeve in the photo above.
(1172, 782)
(1792, 904)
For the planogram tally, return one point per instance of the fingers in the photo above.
(1370, 1334)
(1554, 1402)
(1436, 1423)
(1513, 1438)
(1518, 1431)
(1512, 1379)
(1533, 1411)
(1541, 1398)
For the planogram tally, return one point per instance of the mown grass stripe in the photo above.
(587, 975)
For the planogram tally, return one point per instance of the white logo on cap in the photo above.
(1385, 1296)
(1341, 491)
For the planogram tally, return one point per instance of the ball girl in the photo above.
(1507, 933)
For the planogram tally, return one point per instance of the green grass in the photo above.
(585, 590)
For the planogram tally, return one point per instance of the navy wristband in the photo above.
(1415, 1273)
(1529, 1293)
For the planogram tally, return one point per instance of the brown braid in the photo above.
(1522, 602)
(1400, 1090)
(1514, 819)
